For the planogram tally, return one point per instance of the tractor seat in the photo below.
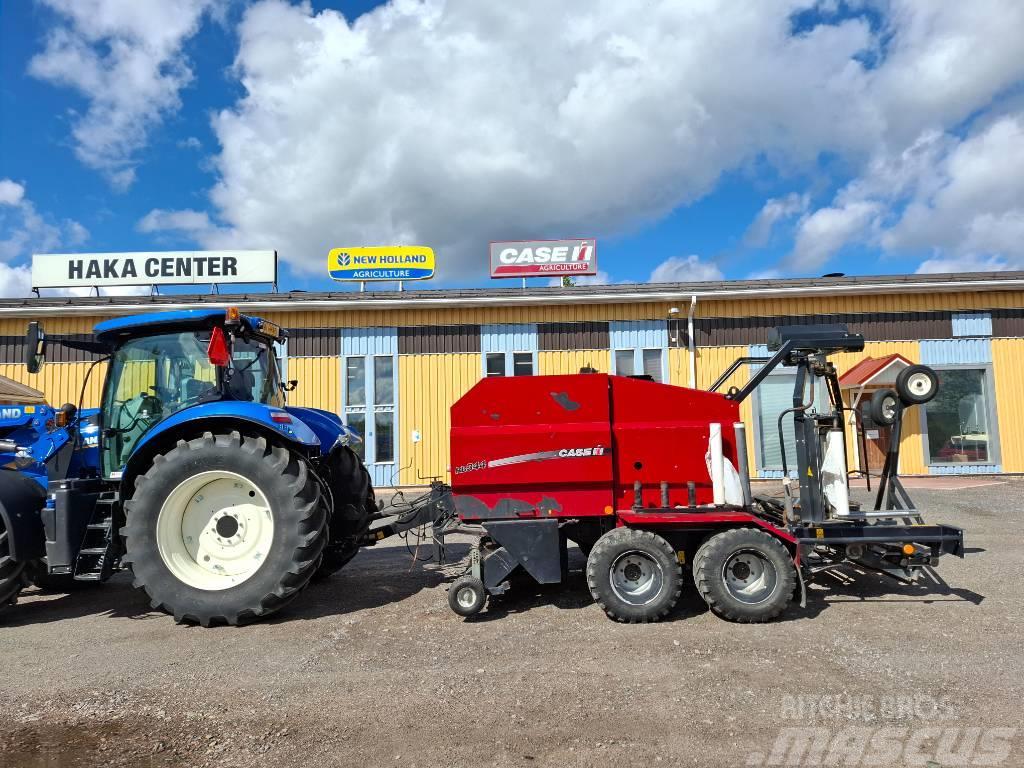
(241, 385)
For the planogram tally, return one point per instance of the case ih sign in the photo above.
(544, 258)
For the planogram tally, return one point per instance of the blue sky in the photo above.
(697, 140)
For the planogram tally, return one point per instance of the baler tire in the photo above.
(709, 573)
(13, 573)
(277, 478)
(612, 549)
(460, 588)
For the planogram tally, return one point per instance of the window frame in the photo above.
(638, 361)
(508, 356)
(370, 408)
(995, 457)
(755, 417)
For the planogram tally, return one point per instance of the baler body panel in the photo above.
(531, 445)
(661, 434)
(573, 446)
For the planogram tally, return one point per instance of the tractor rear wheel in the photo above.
(634, 575)
(224, 529)
(13, 576)
(354, 505)
(745, 575)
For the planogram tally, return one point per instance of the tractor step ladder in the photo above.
(99, 549)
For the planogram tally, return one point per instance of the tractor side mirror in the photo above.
(35, 347)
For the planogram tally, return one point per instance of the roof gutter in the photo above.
(420, 301)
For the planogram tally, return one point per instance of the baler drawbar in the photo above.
(649, 479)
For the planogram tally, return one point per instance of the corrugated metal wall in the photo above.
(972, 323)
(61, 382)
(319, 382)
(1008, 371)
(512, 337)
(712, 362)
(571, 361)
(427, 386)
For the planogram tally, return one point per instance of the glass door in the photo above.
(369, 408)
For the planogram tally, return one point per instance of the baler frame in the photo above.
(817, 531)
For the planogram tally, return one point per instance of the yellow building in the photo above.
(393, 362)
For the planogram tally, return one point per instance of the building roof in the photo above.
(530, 296)
(13, 392)
(869, 368)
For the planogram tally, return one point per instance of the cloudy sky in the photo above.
(695, 139)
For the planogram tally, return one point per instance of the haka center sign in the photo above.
(71, 270)
(544, 258)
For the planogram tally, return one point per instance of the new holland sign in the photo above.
(381, 262)
(71, 270)
(544, 258)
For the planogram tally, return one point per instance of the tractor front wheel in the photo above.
(634, 575)
(745, 575)
(224, 529)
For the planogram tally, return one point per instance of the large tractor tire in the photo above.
(634, 575)
(13, 577)
(745, 575)
(354, 505)
(224, 529)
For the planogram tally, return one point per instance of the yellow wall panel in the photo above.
(570, 361)
(427, 386)
(319, 382)
(679, 367)
(61, 382)
(1008, 370)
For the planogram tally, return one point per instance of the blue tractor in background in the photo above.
(222, 500)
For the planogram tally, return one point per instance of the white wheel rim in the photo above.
(215, 530)
(919, 384)
(466, 597)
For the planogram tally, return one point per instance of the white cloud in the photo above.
(193, 224)
(125, 57)
(685, 269)
(23, 231)
(190, 143)
(454, 123)
(821, 234)
(11, 192)
(959, 201)
(774, 210)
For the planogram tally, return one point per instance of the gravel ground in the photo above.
(372, 668)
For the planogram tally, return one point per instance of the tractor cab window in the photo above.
(253, 374)
(154, 377)
(151, 378)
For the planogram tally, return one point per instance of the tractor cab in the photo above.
(163, 363)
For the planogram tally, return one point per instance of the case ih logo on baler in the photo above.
(563, 453)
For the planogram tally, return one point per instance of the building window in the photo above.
(522, 364)
(495, 362)
(960, 420)
(775, 395)
(508, 364)
(631, 362)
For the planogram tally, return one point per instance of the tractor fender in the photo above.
(292, 431)
(21, 500)
(327, 426)
(223, 416)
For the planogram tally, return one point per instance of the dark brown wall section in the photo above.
(875, 326)
(428, 339)
(552, 337)
(314, 342)
(1008, 322)
(12, 349)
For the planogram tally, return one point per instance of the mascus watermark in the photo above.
(930, 746)
(896, 729)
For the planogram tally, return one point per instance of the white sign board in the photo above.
(74, 270)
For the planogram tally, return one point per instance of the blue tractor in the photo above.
(222, 500)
